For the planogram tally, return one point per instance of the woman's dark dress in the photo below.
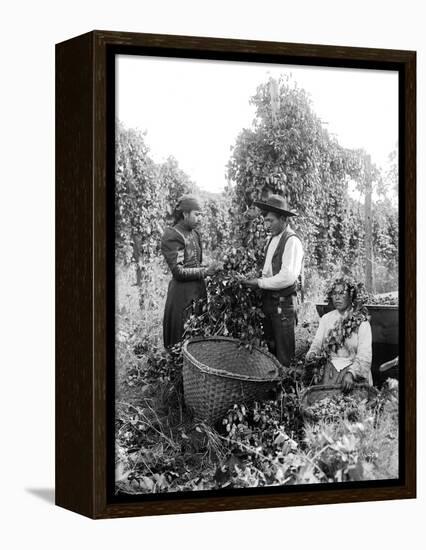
(182, 251)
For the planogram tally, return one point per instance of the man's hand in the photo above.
(251, 283)
(347, 382)
(311, 358)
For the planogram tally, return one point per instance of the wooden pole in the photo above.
(369, 281)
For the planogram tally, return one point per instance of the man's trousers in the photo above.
(279, 324)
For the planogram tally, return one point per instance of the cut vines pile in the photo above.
(160, 447)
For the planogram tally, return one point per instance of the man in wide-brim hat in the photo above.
(279, 281)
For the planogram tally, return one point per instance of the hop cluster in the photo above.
(332, 409)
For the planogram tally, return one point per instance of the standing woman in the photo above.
(341, 351)
(182, 250)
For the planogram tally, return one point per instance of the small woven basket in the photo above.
(315, 393)
(219, 371)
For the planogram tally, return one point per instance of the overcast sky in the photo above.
(194, 109)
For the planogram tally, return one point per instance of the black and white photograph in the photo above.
(212, 273)
(257, 275)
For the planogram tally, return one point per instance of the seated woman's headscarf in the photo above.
(357, 315)
(357, 293)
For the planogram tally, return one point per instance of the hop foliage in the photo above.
(386, 300)
(146, 194)
(332, 409)
(288, 151)
(232, 309)
(216, 226)
(345, 327)
(357, 294)
(160, 365)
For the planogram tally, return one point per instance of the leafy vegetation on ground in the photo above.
(160, 447)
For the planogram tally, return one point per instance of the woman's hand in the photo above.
(213, 267)
(347, 382)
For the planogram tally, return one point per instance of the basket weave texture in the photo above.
(315, 393)
(219, 371)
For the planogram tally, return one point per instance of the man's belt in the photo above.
(280, 292)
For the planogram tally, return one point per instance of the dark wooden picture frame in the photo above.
(84, 159)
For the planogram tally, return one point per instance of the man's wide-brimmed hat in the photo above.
(277, 204)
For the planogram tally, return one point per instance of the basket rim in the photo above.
(322, 387)
(220, 372)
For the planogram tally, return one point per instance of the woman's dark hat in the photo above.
(277, 204)
(189, 202)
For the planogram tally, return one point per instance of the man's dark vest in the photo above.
(277, 262)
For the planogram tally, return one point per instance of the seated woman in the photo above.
(342, 348)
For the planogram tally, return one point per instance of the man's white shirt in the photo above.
(290, 266)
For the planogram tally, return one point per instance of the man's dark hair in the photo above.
(177, 215)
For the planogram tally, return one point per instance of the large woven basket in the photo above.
(219, 371)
